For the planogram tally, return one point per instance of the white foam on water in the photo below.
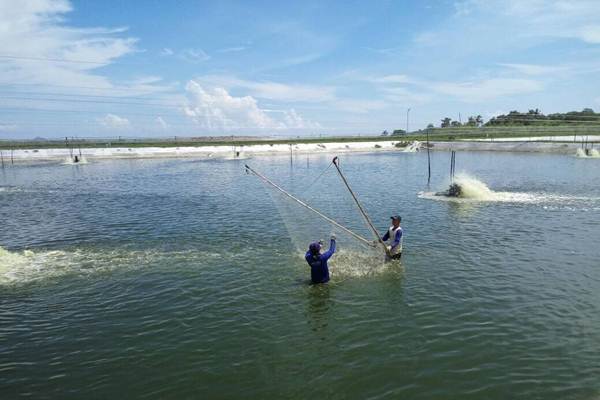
(16, 267)
(413, 147)
(231, 158)
(70, 161)
(22, 267)
(592, 153)
(474, 190)
(350, 263)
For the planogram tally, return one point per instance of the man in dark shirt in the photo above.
(319, 272)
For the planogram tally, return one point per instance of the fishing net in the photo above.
(356, 254)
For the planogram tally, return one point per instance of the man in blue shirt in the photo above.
(394, 235)
(319, 272)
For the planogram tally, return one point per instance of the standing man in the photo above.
(394, 236)
(319, 272)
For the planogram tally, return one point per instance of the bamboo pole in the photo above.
(303, 204)
(362, 210)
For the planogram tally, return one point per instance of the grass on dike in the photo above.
(436, 134)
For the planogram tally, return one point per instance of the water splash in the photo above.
(354, 257)
(474, 190)
(348, 263)
(413, 147)
(27, 266)
(71, 161)
(587, 153)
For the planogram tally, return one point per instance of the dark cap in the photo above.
(399, 218)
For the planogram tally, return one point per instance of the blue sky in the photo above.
(271, 68)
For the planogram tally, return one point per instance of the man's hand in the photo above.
(333, 236)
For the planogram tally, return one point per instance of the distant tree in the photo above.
(587, 111)
(446, 122)
(398, 132)
(479, 120)
(384, 133)
(471, 122)
(455, 124)
(430, 126)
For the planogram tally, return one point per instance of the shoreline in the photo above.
(245, 151)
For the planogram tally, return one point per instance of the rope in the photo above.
(311, 183)
(303, 204)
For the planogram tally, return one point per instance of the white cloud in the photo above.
(232, 49)
(217, 110)
(531, 69)
(162, 123)
(35, 29)
(487, 89)
(7, 127)
(272, 90)
(463, 8)
(392, 79)
(194, 55)
(402, 89)
(537, 18)
(387, 51)
(113, 121)
(359, 106)
(590, 34)
(293, 120)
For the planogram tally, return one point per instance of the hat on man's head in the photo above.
(314, 247)
(399, 218)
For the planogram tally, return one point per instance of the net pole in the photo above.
(362, 210)
(303, 204)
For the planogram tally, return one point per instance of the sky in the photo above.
(271, 68)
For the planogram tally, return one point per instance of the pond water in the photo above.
(183, 278)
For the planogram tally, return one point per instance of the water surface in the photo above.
(180, 278)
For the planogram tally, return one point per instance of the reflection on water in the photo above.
(318, 309)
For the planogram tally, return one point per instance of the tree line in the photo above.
(533, 117)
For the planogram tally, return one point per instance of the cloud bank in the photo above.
(215, 109)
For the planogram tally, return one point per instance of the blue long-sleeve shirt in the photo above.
(319, 272)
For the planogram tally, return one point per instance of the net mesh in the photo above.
(328, 195)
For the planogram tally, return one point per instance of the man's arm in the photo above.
(331, 250)
(386, 236)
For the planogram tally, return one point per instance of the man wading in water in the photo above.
(319, 272)
(394, 235)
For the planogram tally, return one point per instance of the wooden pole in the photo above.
(428, 160)
(362, 210)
